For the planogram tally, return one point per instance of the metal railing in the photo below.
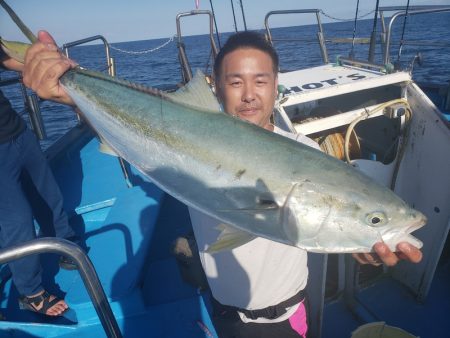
(320, 35)
(85, 268)
(186, 71)
(31, 103)
(387, 31)
(111, 71)
(109, 59)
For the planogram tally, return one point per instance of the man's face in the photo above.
(247, 86)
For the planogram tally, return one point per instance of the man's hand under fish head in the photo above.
(383, 255)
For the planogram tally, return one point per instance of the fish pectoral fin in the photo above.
(229, 239)
(106, 149)
(266, 205)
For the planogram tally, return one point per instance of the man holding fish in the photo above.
(257, 286)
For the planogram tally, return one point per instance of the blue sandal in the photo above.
(32, 303)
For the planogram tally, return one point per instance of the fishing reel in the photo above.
(418, 58)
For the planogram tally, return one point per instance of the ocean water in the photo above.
(161, 67)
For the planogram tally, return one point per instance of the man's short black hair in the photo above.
(243, 40)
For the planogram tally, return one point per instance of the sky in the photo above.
(131, 20)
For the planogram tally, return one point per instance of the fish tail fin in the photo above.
(14, 49)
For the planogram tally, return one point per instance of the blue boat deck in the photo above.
(128, 232)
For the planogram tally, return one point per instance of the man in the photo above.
(262, 294)
(20, 153)
(257, 287)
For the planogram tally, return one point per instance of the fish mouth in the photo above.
(420, 222)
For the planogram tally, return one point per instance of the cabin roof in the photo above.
(330, 80)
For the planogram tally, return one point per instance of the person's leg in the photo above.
(40, 173)
(16, 222)
(16, 226)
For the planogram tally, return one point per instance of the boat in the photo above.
(131, 284)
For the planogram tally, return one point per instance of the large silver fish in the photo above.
(254, 180)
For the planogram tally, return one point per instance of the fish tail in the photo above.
(14, 49)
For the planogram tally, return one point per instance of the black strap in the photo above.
(270, 312)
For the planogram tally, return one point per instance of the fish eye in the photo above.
(376, 219)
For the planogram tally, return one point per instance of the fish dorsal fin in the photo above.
(197, 93)
(229, 238)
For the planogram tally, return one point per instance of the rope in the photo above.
(342, 19)
(143, 51)
(366, 115)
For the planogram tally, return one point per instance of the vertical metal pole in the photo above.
(323, 48)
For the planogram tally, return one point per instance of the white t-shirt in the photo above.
(256, 275)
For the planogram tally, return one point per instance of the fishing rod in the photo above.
(403, 34)
(243, 14)
(234, 16)
(215, 23)
(373, 36)
(352, 54)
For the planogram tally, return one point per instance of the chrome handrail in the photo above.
(383, 9)
(85, 268)
(111, 71)
(320, 34)
(109, 59)
(31, 103)
(399, 14)
(185, 66)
